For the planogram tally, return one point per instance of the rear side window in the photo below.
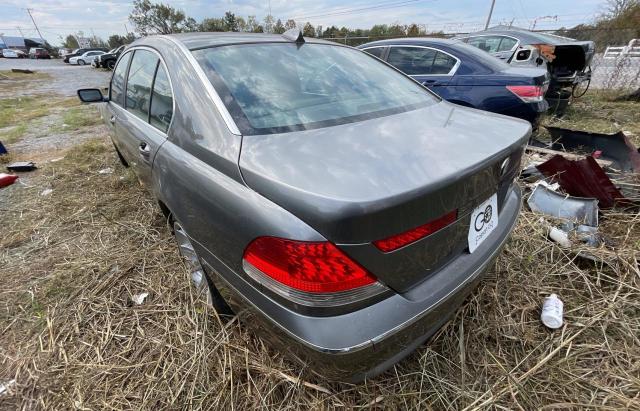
(443, 63)
(139, 82)
(412, 60)
(376, 51)
(117, 81)
(161, 101)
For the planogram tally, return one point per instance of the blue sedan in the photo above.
(465, 75)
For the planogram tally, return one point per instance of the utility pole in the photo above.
(34, 23)
(20, 30)
(493, 3)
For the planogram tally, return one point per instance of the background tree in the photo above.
(309, 30)
(116, 40)
(269, 25)
(290, 24)
(318, 31)
(278, 28)
(157, 18)
(70, 42)
(230, 22)
(413, 30)
(212, 24)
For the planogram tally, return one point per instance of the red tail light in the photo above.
(528, 94)
(311, 267)
(413, 235)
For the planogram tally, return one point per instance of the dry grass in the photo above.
(598, 112)
(72, 338)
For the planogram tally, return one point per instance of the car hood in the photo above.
(341, 179)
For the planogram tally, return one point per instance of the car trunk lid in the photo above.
(361, 182)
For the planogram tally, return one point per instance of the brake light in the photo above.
(528, 94)
(311, 267)
(400, 240)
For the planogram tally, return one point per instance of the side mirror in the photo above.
(90, 95)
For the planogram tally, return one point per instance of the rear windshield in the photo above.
(494, 63)
(280, 87)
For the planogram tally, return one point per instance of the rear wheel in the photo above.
(199, 278)
(81, 62)
(111, 64)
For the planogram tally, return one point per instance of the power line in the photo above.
(339, 12)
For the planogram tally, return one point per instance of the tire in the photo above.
(199, 278)
(81, 62)
(111, 64)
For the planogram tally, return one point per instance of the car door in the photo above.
(115, 106)
(143, 124)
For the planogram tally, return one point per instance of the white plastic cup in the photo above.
(552, 312)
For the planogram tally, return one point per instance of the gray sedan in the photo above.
(334, 204)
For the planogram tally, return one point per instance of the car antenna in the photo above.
(295, 35)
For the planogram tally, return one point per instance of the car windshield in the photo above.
(487, 59)
(279, 87)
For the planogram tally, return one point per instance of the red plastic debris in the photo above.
(583, 178)
(596, 154)
(7, 179)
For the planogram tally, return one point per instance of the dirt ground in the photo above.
(77, 243)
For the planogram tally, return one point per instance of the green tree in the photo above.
(309, 30)
(212, 24)
(117, 40)
(279, 27)
(157, 18)
(413, 30)
(230, 21)
(70, 42)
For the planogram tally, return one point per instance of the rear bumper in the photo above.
(366, 342)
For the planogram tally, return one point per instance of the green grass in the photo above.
(16, 111)
(14, 134)
(76, 118)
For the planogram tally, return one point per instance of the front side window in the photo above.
(490, 44)
(116, 92)
(280, 87)
(161, 101)
(139, 81)
(412, 60)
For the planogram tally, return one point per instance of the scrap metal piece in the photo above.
(580, 210)
(614, 147)
(22, 166)
(583, 178)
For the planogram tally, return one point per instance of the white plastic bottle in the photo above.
(552, 312)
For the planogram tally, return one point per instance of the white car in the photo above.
(86, 58)
(13, 54)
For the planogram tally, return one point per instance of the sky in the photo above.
(58, 18)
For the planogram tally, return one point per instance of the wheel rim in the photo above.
(188, 254)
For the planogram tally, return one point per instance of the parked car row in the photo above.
(34, 53)
(464, 75)
(108, 60)
(337, 206)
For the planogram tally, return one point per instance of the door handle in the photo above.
(144, 150)
(429, 82)
(112, 120)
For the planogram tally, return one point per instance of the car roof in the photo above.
(413, 41)
(203, 40)
(524, 35)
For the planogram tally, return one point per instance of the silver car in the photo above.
(337, 206)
